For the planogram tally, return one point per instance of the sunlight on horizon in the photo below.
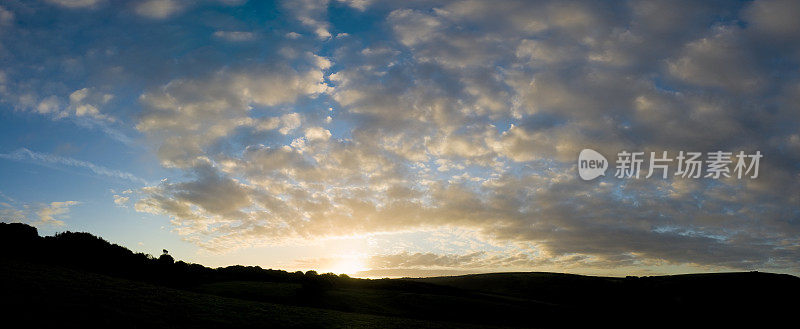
(349, 264)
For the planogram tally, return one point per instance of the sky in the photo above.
(405, 138)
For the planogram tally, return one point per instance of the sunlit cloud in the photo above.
(159, 9)
(441, 117)
(51, 214)
(76, 3)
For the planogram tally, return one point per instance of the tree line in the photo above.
(84, 251)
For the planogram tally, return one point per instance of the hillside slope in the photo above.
(709, 298)
(80, 279)
(41, 296)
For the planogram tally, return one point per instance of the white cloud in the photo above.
(413, 27)
(83, 103)
(51, 214)
(317, 134)
(84, 107)
(48, 105)
(48, 215)
(121, 201)
(546, 52)
(777, 18)
(158, 9)
(721, 60)
(312, 14)
(24, 154)
(6, 18)
(189, 115)
(358, 4)
(235, 36)
(76, 3)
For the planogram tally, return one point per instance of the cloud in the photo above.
(191, 115)
(47, 215)
(311, 13)
(76, 3)
(235, 36)
(410, 273)
(85, 107)
(424, 260)
(464, 114)
(24, 154)
(6, 17)
(121, 201)
(51, 214)
(774, 17)
(317, 134)
(719, 61)
(358, 4)
(83, 103)
(159, 9)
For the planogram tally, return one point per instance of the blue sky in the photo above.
(403, 138)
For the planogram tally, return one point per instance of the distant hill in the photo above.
(716, 297)
(81, 279)
(574, 289)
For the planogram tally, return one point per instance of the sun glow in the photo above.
(349, 264)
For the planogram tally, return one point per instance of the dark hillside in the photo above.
(46, 296)
(78, 278)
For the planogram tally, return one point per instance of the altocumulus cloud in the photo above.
(469, 115)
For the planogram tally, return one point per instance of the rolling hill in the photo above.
(80, 279)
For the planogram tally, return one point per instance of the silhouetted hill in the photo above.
(49, 296)
(563, 288)
(712, 298)
(85, 251)
(82, 279)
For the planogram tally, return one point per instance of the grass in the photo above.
(392, 300)
(42, 296)
(48, 296)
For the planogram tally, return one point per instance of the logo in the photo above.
(591, 164)
(715, 165)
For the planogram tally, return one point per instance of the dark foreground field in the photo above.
(78, 279)
(37, 296)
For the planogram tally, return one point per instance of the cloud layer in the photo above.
(472, 117)
(468, 115)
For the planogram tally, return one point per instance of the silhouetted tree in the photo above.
(165, 258)
(18, 240)
(84, 251)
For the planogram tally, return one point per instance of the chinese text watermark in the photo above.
(714, 165)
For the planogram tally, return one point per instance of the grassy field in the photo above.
(693, 300)
(48, 296)
(385, 298)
